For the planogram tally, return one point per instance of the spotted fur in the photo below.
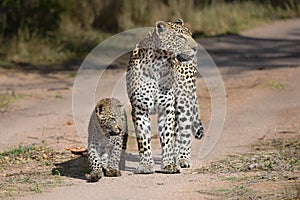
(151, 88)
(187, 111)
(107, 139)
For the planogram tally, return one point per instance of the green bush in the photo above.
(33, 16)
(47, 32)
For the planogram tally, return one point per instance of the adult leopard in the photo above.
(151, 89)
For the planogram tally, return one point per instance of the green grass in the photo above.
(20, 150)
(58, 95)
(37, 188)
(277, 85)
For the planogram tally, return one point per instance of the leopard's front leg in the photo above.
(141, 120)
(166, 126)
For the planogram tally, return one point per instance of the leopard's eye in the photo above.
(179, 21)
(181, 36)
(113, 119)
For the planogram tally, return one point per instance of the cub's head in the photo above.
(176, 38)
(110, 114)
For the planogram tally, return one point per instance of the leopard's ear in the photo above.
(179, 21)
(160, 27)
(121, 105)
(118, 103)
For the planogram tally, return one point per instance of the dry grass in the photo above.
(271, 171)
(281, 155)
(32, 169)
(6, 100)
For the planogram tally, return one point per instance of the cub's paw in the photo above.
(95, 175)
(111, 172)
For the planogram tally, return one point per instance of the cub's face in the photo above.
(109, 112)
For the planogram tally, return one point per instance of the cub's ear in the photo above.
(99, 108)
(160, 26)
(179, 21)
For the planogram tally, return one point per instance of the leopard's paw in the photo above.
(184, 163)
(171, 169)
(95, 175)
(112, 172)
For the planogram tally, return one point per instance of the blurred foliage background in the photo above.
(53, 32)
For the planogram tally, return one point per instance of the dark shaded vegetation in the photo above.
(43, 33)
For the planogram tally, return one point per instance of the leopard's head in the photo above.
(176, 38)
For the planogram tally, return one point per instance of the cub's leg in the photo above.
(123, 152)
(112, 168)
(96, 165)
(97, 157)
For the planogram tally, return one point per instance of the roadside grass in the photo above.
(70, 42)
(7, 99)
(73, 40)
(271, 171)
(34, 169)
(275, 85)
(232, 18)
(58, 95)
(20, 150)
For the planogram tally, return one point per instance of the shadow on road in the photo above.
(78, 167)
(235, 51)
(246, 53)
(75, 168)
(133, 159)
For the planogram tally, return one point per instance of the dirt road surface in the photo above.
(260, 69)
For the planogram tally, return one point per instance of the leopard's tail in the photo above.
(198, 129)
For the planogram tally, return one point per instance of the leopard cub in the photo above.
(107, 138)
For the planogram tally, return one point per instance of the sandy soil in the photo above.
(260, 69)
